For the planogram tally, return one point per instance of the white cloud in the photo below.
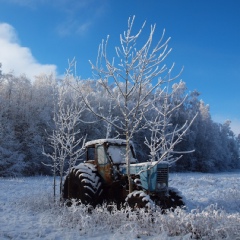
(73, 27)
(19, 59)
(78, 16)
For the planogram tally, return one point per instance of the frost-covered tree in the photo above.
(130, 79)
(66, 141)
(164, 135)
(19, 119)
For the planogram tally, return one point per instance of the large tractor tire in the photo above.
(174, 199)
(83, 184)
(139, 199)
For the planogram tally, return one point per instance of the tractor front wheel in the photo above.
(174, 199)
(139, 199)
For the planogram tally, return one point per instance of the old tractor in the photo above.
(103, 178)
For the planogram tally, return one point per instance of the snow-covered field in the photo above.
(27, 211)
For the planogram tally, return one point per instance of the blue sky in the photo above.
(41, 35)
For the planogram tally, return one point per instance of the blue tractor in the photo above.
(103, 178)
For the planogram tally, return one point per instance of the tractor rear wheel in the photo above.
(83, 184)
(139, 199)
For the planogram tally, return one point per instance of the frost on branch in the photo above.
(66, 139)
(164, 136)
(130, 80)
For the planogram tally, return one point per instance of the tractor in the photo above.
(103, 178)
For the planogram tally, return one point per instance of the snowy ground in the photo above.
(213, 205)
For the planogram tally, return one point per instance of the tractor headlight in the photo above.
(161, 185)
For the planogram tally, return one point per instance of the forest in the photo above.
(28, 118)
(133, 95)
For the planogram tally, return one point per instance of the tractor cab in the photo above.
(108, 155)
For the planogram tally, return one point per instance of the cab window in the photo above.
(102, 157)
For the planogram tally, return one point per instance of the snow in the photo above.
(108, 140)
(118, 153)
(27, 211)
(93, 177)
(145, 198)
(86, 167)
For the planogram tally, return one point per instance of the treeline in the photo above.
(27, 120)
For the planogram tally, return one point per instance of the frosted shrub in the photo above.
(230, 197)
(209, 223)
(75, 216)
(28, 210)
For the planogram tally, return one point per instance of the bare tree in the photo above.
(165, 136)
(66, 144)
(130, 79)
(111, 120)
